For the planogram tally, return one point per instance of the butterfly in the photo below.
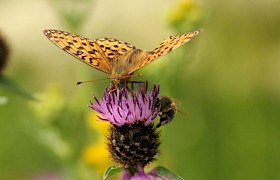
(117, 58)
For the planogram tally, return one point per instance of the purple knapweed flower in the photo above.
(132, 139)
(127, 106)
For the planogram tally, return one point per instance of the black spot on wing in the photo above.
(71, 44)
(123, 50)
(92, 52)
(67, 48)
(78, 52)
(91, 43)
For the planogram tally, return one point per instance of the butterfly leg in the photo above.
(131, 91)
(145, 84)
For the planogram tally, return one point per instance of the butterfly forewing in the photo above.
(166, 47)
(98, 53)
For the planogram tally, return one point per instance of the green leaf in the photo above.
(11, 85)
(163, 172)
(110, 171)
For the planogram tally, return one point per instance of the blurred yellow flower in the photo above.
(186, 13)
(186, 4)
(96, 154)
(178, 13)
(96, 124)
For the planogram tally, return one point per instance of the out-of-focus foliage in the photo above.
(71, 13)
(227, 79)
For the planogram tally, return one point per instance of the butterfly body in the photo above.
(122, 69)
(116, 58)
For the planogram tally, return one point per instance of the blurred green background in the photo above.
(227, 78)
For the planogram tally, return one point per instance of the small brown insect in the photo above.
(116, 58)
(167, 109)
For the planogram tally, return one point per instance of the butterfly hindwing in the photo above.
(113, 49)
(165, 47)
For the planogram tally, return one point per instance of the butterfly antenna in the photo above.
(80, 82)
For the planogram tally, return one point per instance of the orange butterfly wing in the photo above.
(98, 53)
(165, 47)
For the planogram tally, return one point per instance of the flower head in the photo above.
(125, 106)
(132, 140)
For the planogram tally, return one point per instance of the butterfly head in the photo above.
(120, 80)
